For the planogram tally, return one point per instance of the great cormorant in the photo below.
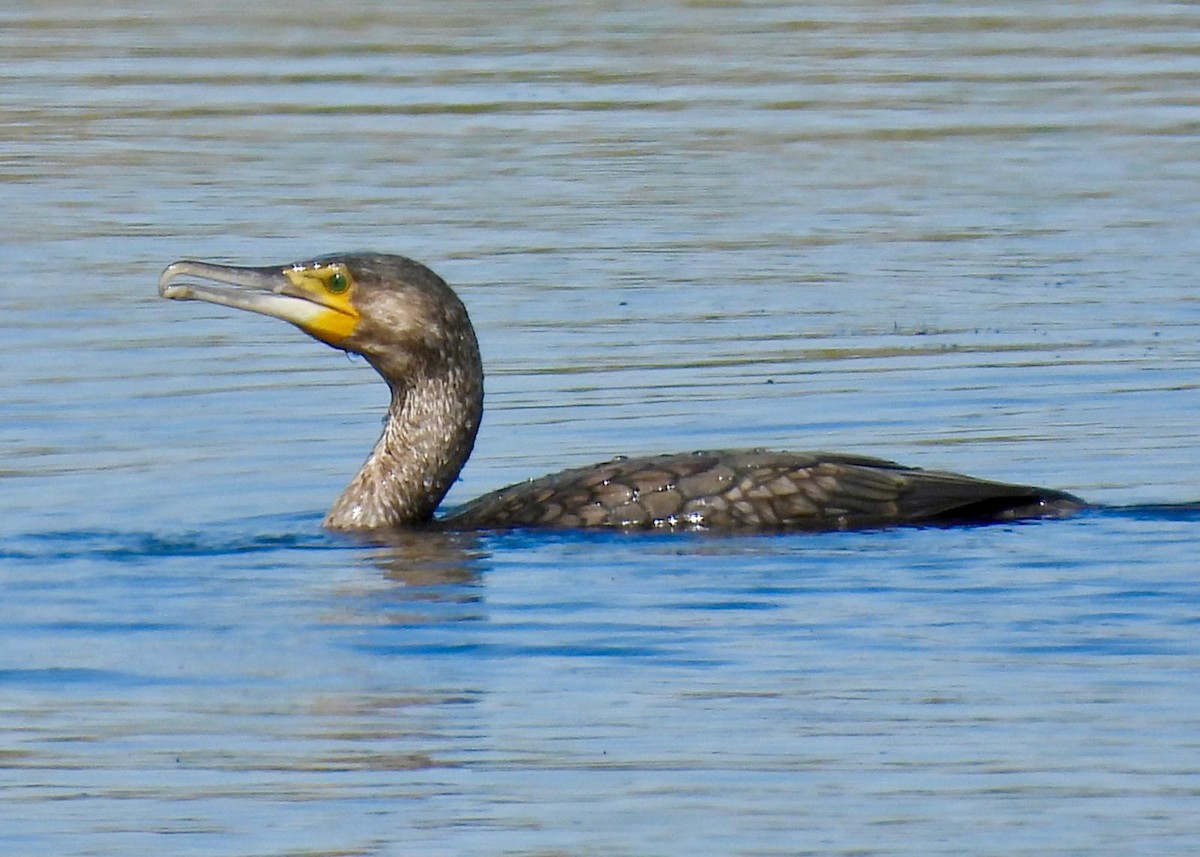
(413, 329)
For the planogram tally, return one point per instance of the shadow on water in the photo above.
(422, 557)
(413, 558)
(1183, 512)
(257, 535)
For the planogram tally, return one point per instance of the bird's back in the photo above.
(754, 489)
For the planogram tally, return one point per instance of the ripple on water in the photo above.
(961, 235)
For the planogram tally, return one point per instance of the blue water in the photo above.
(958, 236)
(914, 691)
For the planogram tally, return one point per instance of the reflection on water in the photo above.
(960, 236)
(687, 688)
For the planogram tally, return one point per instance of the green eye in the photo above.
(337, 282)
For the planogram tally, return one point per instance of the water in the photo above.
(961, 236)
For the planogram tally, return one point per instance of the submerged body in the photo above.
(413, 329)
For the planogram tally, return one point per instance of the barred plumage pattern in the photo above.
(755, 489)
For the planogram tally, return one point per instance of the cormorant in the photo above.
(413, 329)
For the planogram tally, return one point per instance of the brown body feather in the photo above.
(743, 489)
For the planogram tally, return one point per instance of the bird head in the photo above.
(395, 312)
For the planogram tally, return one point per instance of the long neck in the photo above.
(430, 429)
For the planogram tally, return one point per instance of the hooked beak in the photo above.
(286, 292)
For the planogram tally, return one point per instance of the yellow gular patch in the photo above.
(329, 288)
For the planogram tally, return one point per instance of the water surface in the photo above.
(960, 236)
